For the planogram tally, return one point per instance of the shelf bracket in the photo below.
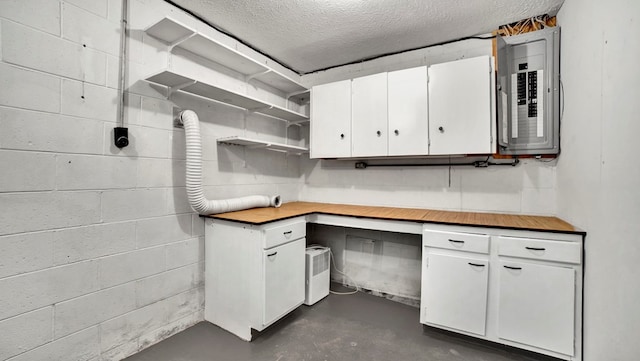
(258, 110)
(180, 41)
(292, 94)
(259, 146)
(175, 88)
(297, 123)
(251, 76)
(297, 93)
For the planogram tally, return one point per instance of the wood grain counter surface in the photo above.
(257, 216)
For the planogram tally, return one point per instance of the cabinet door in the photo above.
(408, 126)
(331, 120)
(460, 109)
(455, 292)
(369, 116)
(283, 279)
(536, 305)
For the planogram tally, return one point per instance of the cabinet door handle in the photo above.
(379, 133)
(535, 248)
(456, 241)
(342, 136)
(396, 131)
(272, 254)
(476, 264)
(287, 232)
(441, 129)
(511, 267)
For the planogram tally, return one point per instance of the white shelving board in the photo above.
(254, 143)
(176, 34)
(176, 81)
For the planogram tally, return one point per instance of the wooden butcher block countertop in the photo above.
(259, 216)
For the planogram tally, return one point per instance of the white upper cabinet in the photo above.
(369, 116)
(408, 127)
(461, 107)
(444, 109)
(331, 125)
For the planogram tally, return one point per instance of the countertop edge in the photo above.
(576, 230)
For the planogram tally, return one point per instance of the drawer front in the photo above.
(547, 250)
(281, 234)
(469, 242)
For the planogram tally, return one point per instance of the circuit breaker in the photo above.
(529, 93)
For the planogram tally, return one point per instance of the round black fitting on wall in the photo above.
(121, 137)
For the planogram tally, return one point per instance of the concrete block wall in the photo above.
(100, 253)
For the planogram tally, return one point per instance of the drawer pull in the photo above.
(272, 254)
(456, 241)
(476, 264)
(535, 248)
(511, 267)
(287, 232)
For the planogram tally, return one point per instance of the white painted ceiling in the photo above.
(308, 35)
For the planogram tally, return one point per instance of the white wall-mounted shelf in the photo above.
(175, 82)
(176, 34)
(253, 143)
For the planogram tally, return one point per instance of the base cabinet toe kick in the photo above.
(518, 288)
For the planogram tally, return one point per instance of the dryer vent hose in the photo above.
(195, 193)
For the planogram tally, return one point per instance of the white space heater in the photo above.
(316, 274)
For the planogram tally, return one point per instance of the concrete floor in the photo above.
(354, 327)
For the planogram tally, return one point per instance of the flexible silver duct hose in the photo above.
(197, 199)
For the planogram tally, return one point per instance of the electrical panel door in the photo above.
(528, 85)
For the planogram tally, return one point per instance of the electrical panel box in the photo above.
(529, 93)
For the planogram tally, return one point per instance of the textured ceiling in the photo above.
(308, 35)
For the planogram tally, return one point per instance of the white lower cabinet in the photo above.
(537, 299)
(456, 296)
(281, 280)
(254, 274)
(537, 305)
(455, 275)
(519, 288)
